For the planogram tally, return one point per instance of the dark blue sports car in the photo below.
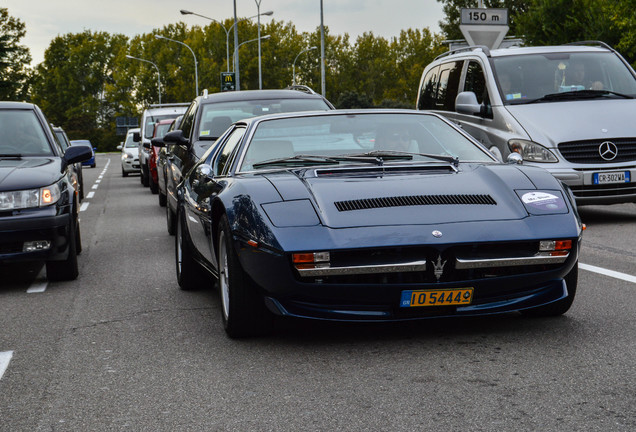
(371, 215)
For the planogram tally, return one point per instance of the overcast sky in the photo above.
(46, 19)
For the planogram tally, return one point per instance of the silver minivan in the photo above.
(569, 109)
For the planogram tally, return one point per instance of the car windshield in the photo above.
(162, 130)
(532, 77)
(350, 138)
(130, 143)
(62, 140)
(152, 120)
(22, 134)
(217, 117)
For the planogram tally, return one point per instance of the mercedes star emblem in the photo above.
(608, 150)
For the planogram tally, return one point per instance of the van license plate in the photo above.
(611, 177)
(440, 297)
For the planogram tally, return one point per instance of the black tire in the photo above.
(171, 221)
(243, 310)
(124, 173)
(145, 175)
(562, 306)
(67, 269)
(154, 186)
(162, 199)
(189, 273)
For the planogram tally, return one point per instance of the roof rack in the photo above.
(168, 105)
(302, 88)
(592, 43)
(483, 48)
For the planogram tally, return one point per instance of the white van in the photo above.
(569, 109)
(151, 116)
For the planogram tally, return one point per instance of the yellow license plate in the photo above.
(440, 297)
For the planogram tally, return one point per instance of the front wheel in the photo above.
(242, 308)
(561, 306)
(67, 269)
(189, 274)
(170, 220)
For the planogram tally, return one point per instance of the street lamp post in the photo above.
(258, 13)
(243, 43)
(227, 37)
(322, 53)
(158, 74)
(294, 64)
(196, 73)
(227, 34)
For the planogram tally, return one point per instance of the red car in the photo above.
(161, 128)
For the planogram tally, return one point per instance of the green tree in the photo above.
(14, 58)
(555, 22)
(72, 85)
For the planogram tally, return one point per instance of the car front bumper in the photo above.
(41, 225)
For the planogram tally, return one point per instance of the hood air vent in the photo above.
(414, 200)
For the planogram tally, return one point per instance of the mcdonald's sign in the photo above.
(228, 81)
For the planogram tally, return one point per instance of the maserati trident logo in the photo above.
(438, 267)
(608, 150)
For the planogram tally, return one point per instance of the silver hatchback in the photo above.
(129, 154)
(568, 109)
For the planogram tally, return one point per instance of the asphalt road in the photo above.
(123, 349)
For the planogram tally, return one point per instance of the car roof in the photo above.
(341, 112)
(16, 105)
(515, 50)
(249, 95)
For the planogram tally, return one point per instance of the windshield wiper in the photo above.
(294, 160)
(578, 94)
(398, 155)
(11, 155)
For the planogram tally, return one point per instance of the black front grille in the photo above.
(414, 200)
(587, 152)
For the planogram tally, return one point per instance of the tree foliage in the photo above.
(14, 58)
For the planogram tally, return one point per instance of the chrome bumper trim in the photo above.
(471, 263)
(412, 266)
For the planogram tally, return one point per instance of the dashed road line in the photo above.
(84, 206)
(606, 272)
(5, 358)
(90, 195)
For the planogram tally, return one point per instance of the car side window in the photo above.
(226, 154)
(428, 90)
(188, 119)
(476, 83)
(449, 77)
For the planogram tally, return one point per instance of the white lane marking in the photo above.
(95, 186)
(5, 358)
(98, 181)
(39, 283)
(84, 206)
(610, 273)
(90, 195)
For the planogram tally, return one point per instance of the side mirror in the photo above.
(136, 137)
(157, 142)
(120, 146)
(146, 145)
(514, 158)
(466, 103)
(75, 154)
(203, 179)
(176, 137)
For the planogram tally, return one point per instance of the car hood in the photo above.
(551, 123)
(474, 193)
(29, 173)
